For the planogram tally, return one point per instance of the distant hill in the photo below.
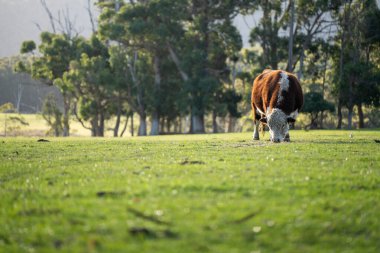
(26, 94)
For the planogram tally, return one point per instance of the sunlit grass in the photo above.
(37, 126)
(191, 193)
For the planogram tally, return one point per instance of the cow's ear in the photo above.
(263, 120)
(291, 120)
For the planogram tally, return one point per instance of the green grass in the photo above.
(199, 193)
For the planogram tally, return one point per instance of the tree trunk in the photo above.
(361, 115)
(132, 125)
(349, 117)
(177, 62)
(117, 125)
(339, 126)
(66, 115)
(350, 103)
(94, 126)
(101, 125)
(231, 123)
(162, 125)
(290, 46)
(118, 119)
(342, 48)
(321, 120)
(323, 86)
(157, 86)
(142, 127)
(168, 125)
(125, 126)
(214, 123)
(155, 124)
(197, 124)
(180, 124)
(20, 89)
(302, 57)
(176, 125)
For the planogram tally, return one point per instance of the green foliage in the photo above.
(314, 103)
(356, 70)
(214, 193)
(28, 47)
(7, 108)
(168, 58)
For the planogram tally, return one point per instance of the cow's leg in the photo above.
(256, 121)
(256, 130)
(287, 136)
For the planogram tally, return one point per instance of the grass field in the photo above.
(198, 193)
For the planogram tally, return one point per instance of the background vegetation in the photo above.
(179, 66)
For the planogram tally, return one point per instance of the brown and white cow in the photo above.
(276, 100)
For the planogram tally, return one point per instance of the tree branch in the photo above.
(47, 10)
(176, 61)
(91, 16)
(79, 119)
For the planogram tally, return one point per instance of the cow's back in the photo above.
(277, 89)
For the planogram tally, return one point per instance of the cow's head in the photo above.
(278, 123)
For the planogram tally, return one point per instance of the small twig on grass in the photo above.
(109, 193)
(191, 162)
(42, 140)
(246, 217)
(147, 217)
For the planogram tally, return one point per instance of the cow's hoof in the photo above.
(287, 139)
(256, 138)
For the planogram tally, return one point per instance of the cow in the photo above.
(276, 101)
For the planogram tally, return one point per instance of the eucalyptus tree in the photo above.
(267, 33)
(92, 80)
(200, 52)
(357, 73)
(314, 24)
(198, 36)
(315, 105)
(116, 24)
(147, 25)
(52, 60)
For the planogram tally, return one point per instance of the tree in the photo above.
(199, 51)
(356, 76)
(313, 19)
(116, 25)
(91, 78)
(200, 54)
(314, 105)
(52, 115)
(267, 33)
(56, 53)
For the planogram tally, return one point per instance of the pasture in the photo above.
(192, 193)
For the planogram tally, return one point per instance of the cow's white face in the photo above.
(277, 122)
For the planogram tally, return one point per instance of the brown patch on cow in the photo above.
(265, 93)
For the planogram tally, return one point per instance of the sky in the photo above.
(18, 19)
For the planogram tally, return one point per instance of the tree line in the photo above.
(169, 59)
